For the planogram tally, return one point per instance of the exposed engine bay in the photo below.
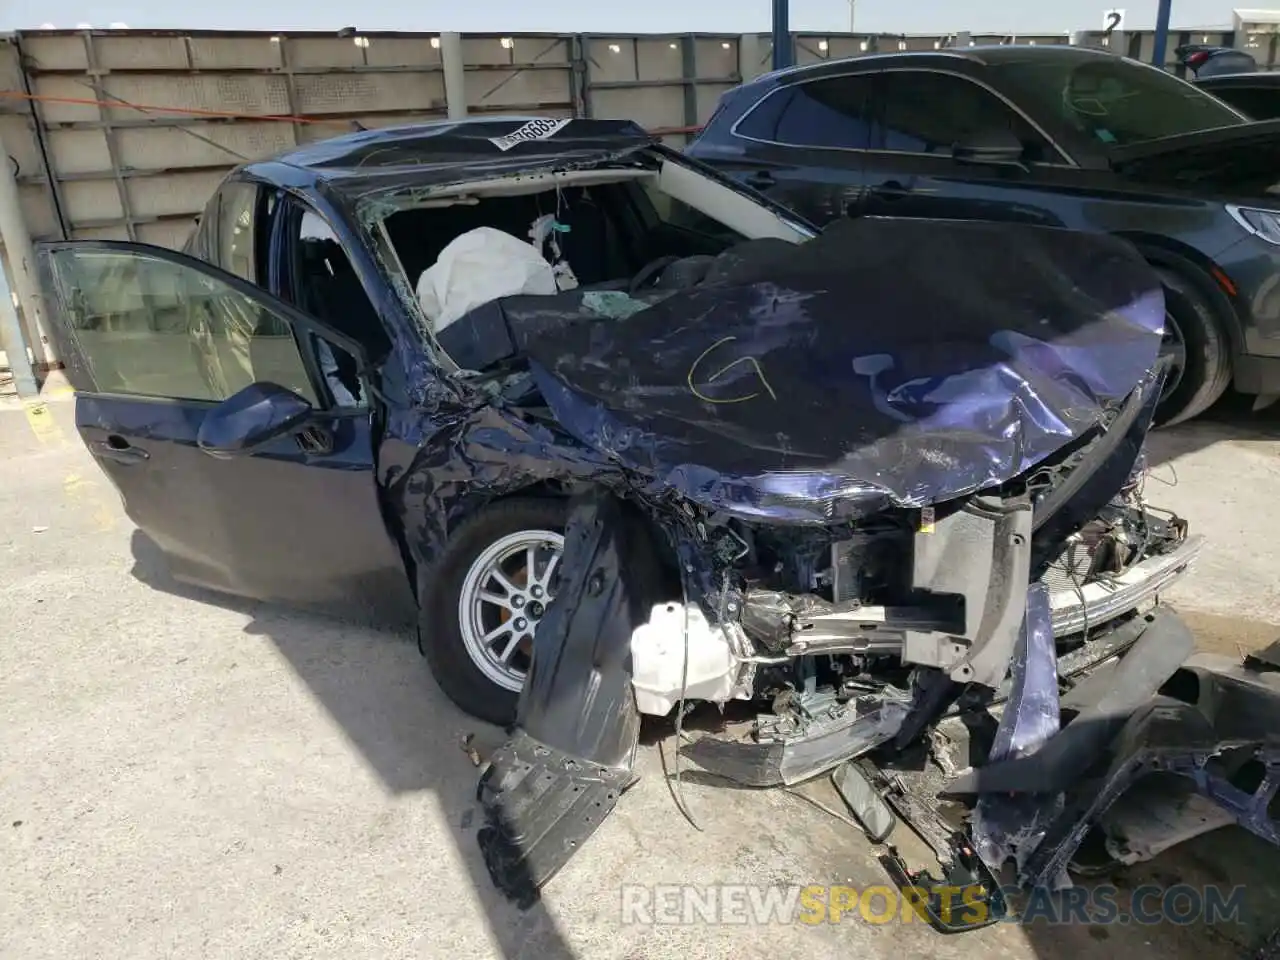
(928, 589)
(842, 628)
(1003, 654)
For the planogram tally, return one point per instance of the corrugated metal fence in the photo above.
(125, 134)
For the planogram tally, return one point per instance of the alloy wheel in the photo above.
(504, 596)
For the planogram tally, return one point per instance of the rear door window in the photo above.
(829, 113)
(929, 113)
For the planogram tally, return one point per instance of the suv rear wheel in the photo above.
(1200, 350)
(496, 577)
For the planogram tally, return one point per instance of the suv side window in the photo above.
(829, 113)
(927, 112)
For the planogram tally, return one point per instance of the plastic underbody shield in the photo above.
(550, 786)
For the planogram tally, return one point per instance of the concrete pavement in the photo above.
(184, 775)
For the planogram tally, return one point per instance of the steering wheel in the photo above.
(650, 273)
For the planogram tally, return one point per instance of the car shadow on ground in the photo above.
(371, 679)
(1230, 420)
(368, 674)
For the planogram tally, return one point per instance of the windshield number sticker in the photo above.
(533, 130)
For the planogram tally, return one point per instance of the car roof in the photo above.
(983, 55)
(449, 144)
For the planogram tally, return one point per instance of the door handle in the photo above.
(762, 180)
(892, 190)
(120, 450)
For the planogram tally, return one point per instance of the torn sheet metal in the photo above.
(550, 786)
(882, 363)
(1214, 726)
(1010, 827)
(791, 753)
(1102, 703)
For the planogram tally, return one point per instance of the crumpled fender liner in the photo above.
(1107, 703)
(911, 783)
(549, 787)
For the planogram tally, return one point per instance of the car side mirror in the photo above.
(258, 414)
(996, 148)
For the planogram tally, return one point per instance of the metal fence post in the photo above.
(782, 53)
(1163, 13)
(21, 256)
(14, 343)
(455, 75)
(748, 57)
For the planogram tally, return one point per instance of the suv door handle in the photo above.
(761, 180)
(120, 450)
(891, 190)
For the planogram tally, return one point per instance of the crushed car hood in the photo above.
(886, 362)
(1236, 161)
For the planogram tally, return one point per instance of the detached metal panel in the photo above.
(140, 127)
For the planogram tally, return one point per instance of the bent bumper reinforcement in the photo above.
(1105, 600)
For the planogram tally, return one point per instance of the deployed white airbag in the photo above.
(478, 266)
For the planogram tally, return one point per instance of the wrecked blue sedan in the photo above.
(635, 438)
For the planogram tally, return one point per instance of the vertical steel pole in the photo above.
(455, 75)
(14, 343)
(781, 35)
(1163, 13)
(21, 256)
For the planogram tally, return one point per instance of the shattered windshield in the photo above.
(587, 237)
(1113, 101)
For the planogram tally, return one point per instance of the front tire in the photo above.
(494, 580)
(1198, 343)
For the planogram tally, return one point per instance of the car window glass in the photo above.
(153, 327)
(679, 214)
(1258, 103)
(1110, 100)
(237, 209)
(930, 113)
(821, 113)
